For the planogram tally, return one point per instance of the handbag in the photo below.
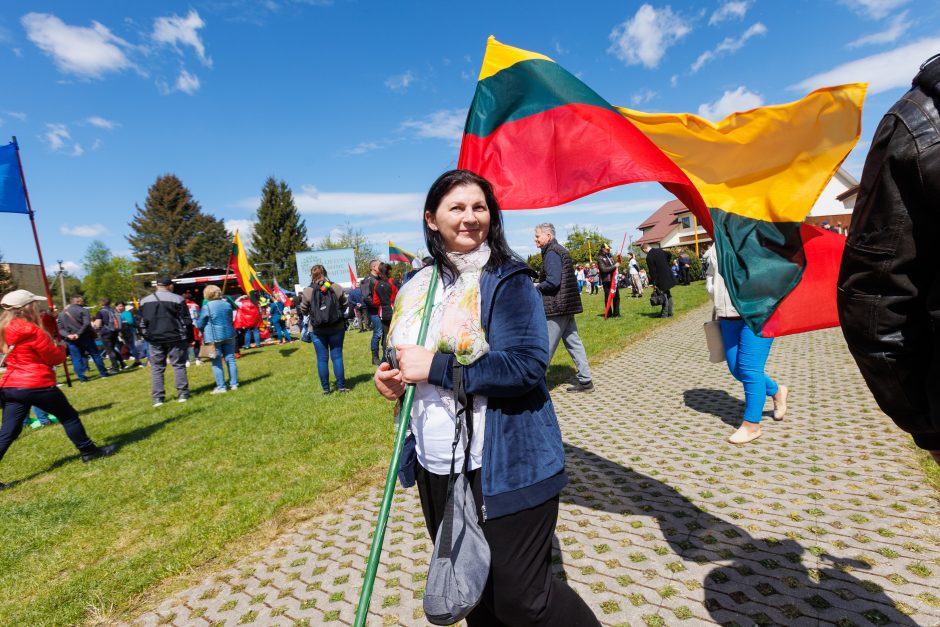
(657, 298)
(714, 341)
(207, 350)
(460, 563)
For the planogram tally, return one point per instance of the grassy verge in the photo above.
(196, 483)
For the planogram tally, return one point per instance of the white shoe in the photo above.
(198, 362)
(158, 404)
(182, 399)
(743, 435)
(187, 363)
(218, 391)
(233, 387)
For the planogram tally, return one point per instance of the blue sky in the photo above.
(359, 105)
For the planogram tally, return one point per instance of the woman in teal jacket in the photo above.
(487, 320)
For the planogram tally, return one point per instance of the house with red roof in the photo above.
(673, 225)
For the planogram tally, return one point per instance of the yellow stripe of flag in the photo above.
(500, 56)
(769, 163)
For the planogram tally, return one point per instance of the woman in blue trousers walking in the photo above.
(747, 354)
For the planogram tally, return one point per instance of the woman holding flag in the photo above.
(487, 320)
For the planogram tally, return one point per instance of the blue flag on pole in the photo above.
(12, 194)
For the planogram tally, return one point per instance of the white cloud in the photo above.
(730, 10)
(175, 31)
(728, 45)
(447, 124)
(884, 71)
(101, 122)
(364, 147)
(897, 27)
(643, 96)
(87, 52)
(19, 115)
(71, 267)
(400, 82)
(875, 9)
(187, 83)
(77, 151)
(674, 80)
(379, 207)
(730, 102)
(96, 145)
(83, 230)
(56, 136)
(645, 37)
(245, 228)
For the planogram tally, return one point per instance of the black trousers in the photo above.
(521, 590)
(16, 404)
(615, 305)
(667, 306)
(110, 341)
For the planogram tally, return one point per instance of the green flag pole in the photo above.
(379, 536)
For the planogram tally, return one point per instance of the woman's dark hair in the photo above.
(317, 273)
(500, 252)
(385, 271)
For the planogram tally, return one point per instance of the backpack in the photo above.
(324, 306)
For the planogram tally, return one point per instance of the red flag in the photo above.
(352, 277)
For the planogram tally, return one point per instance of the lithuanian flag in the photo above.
(247, 277)
(543, 138)
(397, 253)
(760, 172)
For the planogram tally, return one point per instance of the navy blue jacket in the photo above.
(523, 457)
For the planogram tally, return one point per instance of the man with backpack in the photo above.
(368, 286)
(323, 302)
(109, 330)
(167, 326)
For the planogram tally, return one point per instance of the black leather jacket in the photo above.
(889, 284)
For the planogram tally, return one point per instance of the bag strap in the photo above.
(463, 404)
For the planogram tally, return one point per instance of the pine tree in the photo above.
(171, 233)
(7, 284)
(279, 233)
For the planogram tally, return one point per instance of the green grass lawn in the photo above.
(195, 485)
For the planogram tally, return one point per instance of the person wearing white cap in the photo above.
(30, 380)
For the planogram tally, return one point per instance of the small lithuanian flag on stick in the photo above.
(397, 253)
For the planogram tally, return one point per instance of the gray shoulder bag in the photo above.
(460, 564)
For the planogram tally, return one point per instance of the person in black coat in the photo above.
(608, 266)
(660, 274)
(889, 286)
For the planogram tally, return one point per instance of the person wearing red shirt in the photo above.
(248, 318)
(30, 357)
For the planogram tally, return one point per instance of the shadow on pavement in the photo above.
(754, 580)
(717, 403)
(560, 373)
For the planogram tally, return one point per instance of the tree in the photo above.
(351, 237)
(7, 284)
(106, 275)
(280, 231)
(172, 234)
(577, 244)
(535, 261)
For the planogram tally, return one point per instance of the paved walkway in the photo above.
(823, 520)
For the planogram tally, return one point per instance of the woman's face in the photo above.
(462, 218)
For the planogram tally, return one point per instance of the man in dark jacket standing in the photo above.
(167, 326)
(75, 328)
(607, 265)
(889, 283)
(109, 330)
(660, 275)
(367, 285)
(559, 289)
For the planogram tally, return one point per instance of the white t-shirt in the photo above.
(434, 419)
